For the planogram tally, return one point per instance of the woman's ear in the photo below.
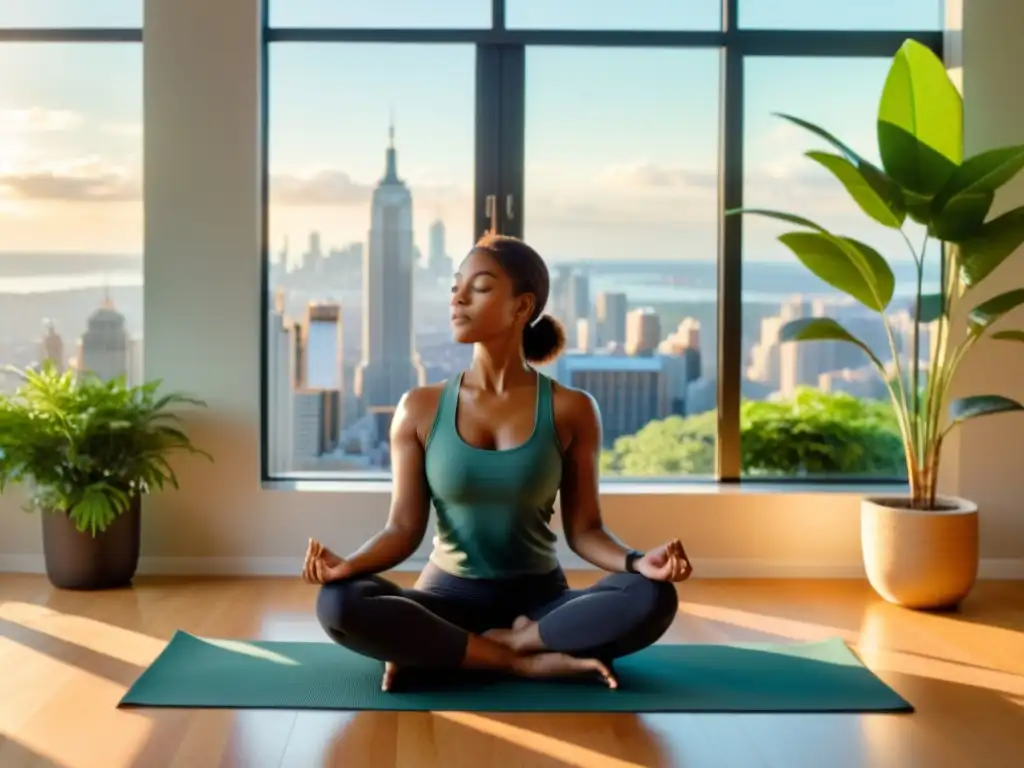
(525, 309)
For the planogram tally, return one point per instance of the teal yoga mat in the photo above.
(240, 674)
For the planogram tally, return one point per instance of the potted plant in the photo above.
(88, 450)
(920, 550)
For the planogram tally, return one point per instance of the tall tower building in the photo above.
(281, 368)
(389, 367)
(611, 318)
(104, 347)
(321, 337)
(643, 331)
(322, 357)
(438, 262)
(52, 346)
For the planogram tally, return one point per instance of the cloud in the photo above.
(84, 180)
(330, 187)
(643, 175)
(36, 119)
(325, 187)
(128, 130)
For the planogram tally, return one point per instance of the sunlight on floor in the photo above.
(873, 643)
(248, 649)
(547, 746)
(772, 625)
(116, 642)
(45, 691)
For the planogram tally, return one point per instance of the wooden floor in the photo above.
(66, 659)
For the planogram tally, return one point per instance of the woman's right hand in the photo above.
(322, 566)
(546, 664)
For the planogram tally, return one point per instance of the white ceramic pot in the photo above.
(920, 559)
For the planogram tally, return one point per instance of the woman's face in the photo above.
(483, 305)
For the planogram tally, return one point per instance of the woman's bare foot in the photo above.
(390, 672)
(562, 665)
(522, 637)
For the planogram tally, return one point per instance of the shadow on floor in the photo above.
(94, 662)
(13, 752)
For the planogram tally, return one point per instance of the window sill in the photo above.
(685, 487)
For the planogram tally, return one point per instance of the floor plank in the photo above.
(66, 658)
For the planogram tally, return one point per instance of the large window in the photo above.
(71, 188)
(818, 409)
(612, 136)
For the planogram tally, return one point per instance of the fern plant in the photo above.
(86, 447)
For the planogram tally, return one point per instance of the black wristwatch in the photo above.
(631, 557)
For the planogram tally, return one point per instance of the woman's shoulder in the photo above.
(418, 408)
(574, 409)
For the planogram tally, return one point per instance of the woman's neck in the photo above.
(498, 367)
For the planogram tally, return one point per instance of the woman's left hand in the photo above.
(665, 563)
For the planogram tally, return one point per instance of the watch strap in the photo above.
(631, 557)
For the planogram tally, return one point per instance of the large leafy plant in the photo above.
(924, 178)
(88, 448)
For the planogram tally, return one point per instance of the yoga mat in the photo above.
(239, 674)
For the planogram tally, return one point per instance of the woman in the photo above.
(491, 448)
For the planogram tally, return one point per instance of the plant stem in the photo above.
(916, 352)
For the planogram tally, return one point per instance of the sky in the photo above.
(621, 145)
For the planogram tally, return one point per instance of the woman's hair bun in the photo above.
(544, 340)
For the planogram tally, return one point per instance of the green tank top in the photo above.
(493, 508)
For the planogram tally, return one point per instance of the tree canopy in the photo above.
(814, 433)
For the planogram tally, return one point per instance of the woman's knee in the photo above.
(658, 599)
(338, 603)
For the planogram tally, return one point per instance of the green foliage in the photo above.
(88, 448)
(819, 433)
(924, 176)
(814, 433)
(666, 448)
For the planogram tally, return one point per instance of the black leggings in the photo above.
(429, 625)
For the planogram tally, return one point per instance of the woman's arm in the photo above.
(410, 497)
(581, 512)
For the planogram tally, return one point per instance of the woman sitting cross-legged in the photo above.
(490, 449)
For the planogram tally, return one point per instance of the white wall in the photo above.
(202, 316)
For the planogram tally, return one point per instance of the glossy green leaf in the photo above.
(985, 172)
(981, 405)
(931, 307)
(920, 121)
(851, 266)
(963, 217)
(914, 165)
(990, 310)
(1009, 336)
(860, 189)
(822, 329)
(887, 189)
(780, 215)
(919, 207)
(998, 238)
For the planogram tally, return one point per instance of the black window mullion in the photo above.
(488, 135)
(511, 202)
(728, 460)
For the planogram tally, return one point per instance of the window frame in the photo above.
(734, 44)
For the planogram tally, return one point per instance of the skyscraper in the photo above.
(104, 347)
(52, 346)
(643, 331)
(389, 367)
(611, 318)
(438, 262)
